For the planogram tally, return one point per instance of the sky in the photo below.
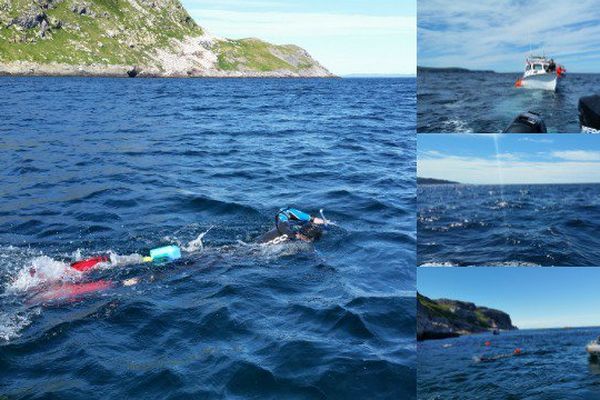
(510, 159)
(346, 36)
(498, 34)
(533, 297)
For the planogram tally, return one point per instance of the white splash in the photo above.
(197, 243)
(269, 251)
(40, 270)
(12, 324)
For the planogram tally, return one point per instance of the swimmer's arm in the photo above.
(285, 229)
(318, 221)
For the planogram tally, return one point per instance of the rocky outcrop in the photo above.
(133, 38)
(83, 9)
(439, 319)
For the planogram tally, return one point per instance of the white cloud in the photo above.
(577, 155)
(535, 140)
(345, 43)
(270, 24)
(430, 154)
(572, 321)
(505, 170)
(498, 34)
(234, 3)
(508, 156)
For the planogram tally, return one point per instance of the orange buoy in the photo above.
(488, 343)
(519, 82)
(517, 351)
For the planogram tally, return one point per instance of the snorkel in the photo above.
(326, 221)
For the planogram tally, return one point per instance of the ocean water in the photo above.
(520, 225)
(553, 365)
(488, 102)
(118, 166)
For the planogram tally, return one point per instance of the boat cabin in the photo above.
(540, 65)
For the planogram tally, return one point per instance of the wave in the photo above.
(516, 225)
(11, 324)
(212, 323)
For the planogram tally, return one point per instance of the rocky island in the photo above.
(443, 318)
(434, 181)
(152, 38)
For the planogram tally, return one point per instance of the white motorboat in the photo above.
(541, 73)
(593, 348)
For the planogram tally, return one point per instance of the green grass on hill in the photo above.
(443, 310)
(121, 32)
(436, 309)
(256, 55)
(83, 39)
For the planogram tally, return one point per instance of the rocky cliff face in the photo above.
(438, 319)
(132, 38)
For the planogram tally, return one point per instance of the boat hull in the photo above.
(593, 349)
(541, 81)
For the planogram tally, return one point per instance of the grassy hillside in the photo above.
(448, 309)
(444, 318)
(95, 31)
(155, 34)
(255, 54)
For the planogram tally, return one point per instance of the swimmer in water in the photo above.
(293, 224)
(290, 224)
(517, 352)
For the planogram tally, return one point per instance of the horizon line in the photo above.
(561, 327)
(504, 183)
(378, 75)
(496, 72)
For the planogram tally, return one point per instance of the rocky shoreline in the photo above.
(24, 68)
(444, 318)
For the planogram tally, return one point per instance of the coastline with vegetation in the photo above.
(133, 38)
(444, 318)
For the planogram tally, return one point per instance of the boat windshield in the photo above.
(537, 67)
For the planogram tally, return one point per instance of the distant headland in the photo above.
(129, 38)
(443, 318)
(433, 181)
(451, 69)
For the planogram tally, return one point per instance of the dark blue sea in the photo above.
(553, 365)
(511, 225)
(488, 102)
(118, 166)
